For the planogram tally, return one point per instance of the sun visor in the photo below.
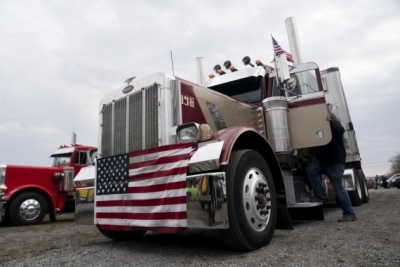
(233, 76)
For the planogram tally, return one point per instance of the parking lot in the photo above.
(373, 240)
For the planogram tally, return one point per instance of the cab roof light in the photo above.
(267, 68)
(229, 66)
(247, 61)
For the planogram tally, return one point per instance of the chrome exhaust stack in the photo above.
(294, 42)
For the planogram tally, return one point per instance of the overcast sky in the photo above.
(59, 58)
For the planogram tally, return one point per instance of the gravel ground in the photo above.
(373, 240)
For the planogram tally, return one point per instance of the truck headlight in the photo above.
(193, 132)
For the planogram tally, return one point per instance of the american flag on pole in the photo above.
(278, 50)
(143, 190)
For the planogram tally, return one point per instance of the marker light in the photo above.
(268, 69)
(232, 68)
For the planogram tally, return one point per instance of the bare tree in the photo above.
(395, 161)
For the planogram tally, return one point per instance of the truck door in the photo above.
(307, 108)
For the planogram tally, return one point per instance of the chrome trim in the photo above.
(349, 180)
(68, 179)
(3, 186)
(206, 157)
(297, 195)
(143, 120)
(276, 114)
(207, 207)
(84, 197)
(84, 205)
(2, 174)
(2, 211)
(176, 102)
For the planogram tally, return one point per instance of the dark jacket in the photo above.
(334, 152)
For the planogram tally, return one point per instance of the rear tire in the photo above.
(27, 209)
(363, 184)
(252, 202)
(356, 195)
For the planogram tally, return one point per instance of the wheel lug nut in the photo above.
(262, 184)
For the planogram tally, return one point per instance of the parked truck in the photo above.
(28, 193)
(228, 153)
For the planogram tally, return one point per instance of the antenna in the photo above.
(172, 61)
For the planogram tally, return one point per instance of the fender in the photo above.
(51, 199)
(237, 138)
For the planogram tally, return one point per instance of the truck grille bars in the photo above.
(130, 123)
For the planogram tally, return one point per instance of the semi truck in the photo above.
(28, 193)
(228, 153)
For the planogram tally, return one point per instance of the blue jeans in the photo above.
(335, 175)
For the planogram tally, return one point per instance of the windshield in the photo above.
(306, 83)
(63, 159)
(246, 90)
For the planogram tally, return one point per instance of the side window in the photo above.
(93, 155)
(80, 158)
(306, 83)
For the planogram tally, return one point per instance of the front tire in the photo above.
(27, 209)
(252, 202)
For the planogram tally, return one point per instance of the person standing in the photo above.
(376, 182)
(384, 182)
(330, 160)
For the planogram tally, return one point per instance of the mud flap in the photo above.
(307, 214)
(283, 220)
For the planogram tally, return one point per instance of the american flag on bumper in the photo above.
(143, 190)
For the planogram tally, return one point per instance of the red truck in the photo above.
(28, 193)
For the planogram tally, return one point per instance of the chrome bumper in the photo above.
(206, 202)
(2, 211)
(207, 206)
(84, 205)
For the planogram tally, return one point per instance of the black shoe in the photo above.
(314, 200)
(348, 219)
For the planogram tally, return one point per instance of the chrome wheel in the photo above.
(29, 209)
(256, 199)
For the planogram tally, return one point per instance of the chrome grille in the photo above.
(152, 116)
(131, 123)
(106, 139)
(120, 126)
(136, 121)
